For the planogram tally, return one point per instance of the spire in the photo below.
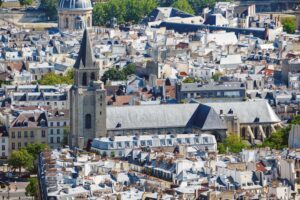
(85, 56)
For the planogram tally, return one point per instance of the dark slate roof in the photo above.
(211, 20)
(188, 28)
(163, 116)
(85, 56)
(165, 12)
(75, 4)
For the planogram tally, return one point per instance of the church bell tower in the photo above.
(87, 96)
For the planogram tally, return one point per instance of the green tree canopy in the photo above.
(35, 149)
(54, 79)
(50, 7)
(25, 2)
(233, 143)
(115, 74)
(289, 24)
(32, 188)
(183, 5)
(279, 139)
(122, 10)
(21, 158)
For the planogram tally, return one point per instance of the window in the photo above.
(3, 147)
(187, 140)
(51, 131)
(57, 124)
(58, 139)
(84, 79)
(231, 93)
(25, 134)
(149, 143)
(111, 145)
(66, 23)
(127, 144)
(135, 143)
(169, 142)
(31, 134)
(93, 77)
(162, 142)
(51, 140)
(179, 141)
(58, 131)
(19, 145)
(143, 143)
(65, 123)
(51, 123)
(13, 146)
(119, 144)
(196, 140)
(43, 133)
(25, 144)
(205, 140)
(88, 121)
(19, 134)
(13, 135)
(3, 140)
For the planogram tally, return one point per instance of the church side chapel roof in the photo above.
(248, 111)
(163, 116)
(85, 56)
(75, 5)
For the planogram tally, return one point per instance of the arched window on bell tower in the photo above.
(93, 76)
(84, 79)
(88, 121)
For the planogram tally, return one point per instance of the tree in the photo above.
(233, 143)
(25, 2)
(216, 76)
(21, 158)
(50, 8)
(129, 69)
(66, 135)
(1, 2)
(54, 79)
(32, 188)
(221, 148)
(183, 5)
(279, 139)
(123, 10)
(189, 80)
(35, 149)
(115, 74)
(199, 5)
(289, 24)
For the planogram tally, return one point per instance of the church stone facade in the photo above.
(74, 14)
(88, 109)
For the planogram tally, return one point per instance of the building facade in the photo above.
(29, 127)
(74, 14)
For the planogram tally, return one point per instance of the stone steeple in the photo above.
(86, 69)
(85, 56)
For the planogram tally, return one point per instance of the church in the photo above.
(92, 118)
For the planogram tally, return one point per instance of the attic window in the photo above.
(119, 125)
(256, 119)
(230, 111)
